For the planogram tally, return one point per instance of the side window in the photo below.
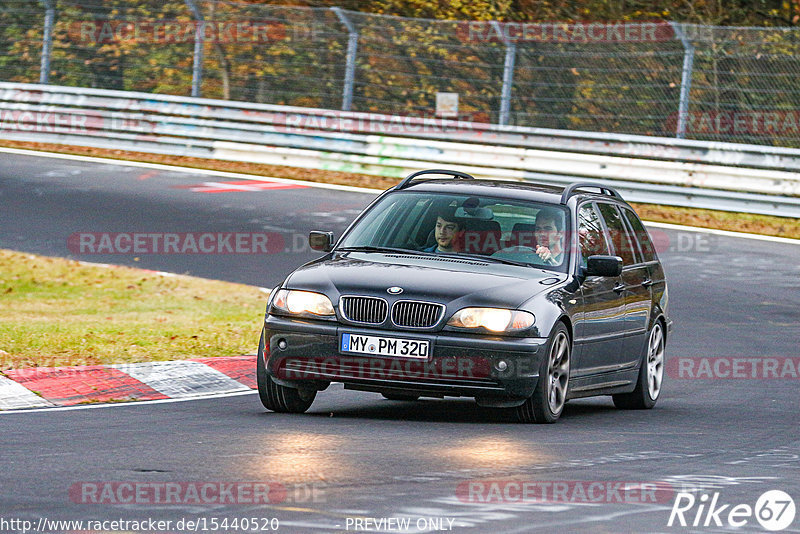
(590, 233)
(645, 243)
(623, 247)
(379, 224)
(386, 230)
(413, 227)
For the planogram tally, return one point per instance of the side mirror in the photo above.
(321, 241)
(604, 266)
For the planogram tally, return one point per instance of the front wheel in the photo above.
(276, 397)
(651, 376)
(550, 395)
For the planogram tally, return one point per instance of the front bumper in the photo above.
(305, 354)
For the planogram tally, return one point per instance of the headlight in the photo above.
(303, 303)
(494, 319)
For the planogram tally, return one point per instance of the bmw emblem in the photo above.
(394, 290)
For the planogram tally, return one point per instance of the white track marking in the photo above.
(14, 396)
(726, 233)
(176, 168)
(128, 404)
(190, 170)
(180, 379)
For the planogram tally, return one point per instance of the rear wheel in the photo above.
(399, 397)
(276, 397)
(651, 375)
(550, 395)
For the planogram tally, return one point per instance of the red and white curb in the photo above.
(45, 387)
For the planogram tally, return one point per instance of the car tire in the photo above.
(275, 397)
(399, 397)
(548, 399)
(651, 375)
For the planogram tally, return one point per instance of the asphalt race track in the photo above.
(356, 456)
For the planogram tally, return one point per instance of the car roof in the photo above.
(538, 192)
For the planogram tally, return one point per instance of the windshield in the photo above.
(503, 230)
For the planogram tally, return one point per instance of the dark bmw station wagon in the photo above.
(520, 295)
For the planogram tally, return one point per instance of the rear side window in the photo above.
(590, 232)
(645, 243)
(623, 246)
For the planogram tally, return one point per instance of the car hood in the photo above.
(450, 282)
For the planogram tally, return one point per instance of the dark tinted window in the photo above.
(645, 243)
(590, 232)
(623, 247)
(506, 229)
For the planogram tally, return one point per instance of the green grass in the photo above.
(56, 312)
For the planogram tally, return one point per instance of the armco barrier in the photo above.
(746, 178)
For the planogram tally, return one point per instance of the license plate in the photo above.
(385, 346)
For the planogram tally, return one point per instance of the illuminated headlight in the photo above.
(493, 319)
(303, 303)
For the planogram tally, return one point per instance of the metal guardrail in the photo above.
(731, 177)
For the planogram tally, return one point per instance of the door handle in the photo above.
(647, 283)
(619, 288)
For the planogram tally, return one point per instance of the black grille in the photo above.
(355, 369)
(413, 314)
(369, 310)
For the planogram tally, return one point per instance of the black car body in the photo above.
(381, 312)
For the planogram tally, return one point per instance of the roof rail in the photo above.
(604, 190)
(458, 175)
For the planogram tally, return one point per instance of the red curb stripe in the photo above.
(242, 186)
(148, 175)
(66, 386)
(240, 368)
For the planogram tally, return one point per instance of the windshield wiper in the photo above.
(371, 248)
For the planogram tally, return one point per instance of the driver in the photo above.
(446, 230)
(549, 232)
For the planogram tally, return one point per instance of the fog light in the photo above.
(282, 344)
(501, 365)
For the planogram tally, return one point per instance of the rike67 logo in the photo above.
(774, 510)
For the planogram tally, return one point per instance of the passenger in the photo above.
(446, 232)
(549, 232)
